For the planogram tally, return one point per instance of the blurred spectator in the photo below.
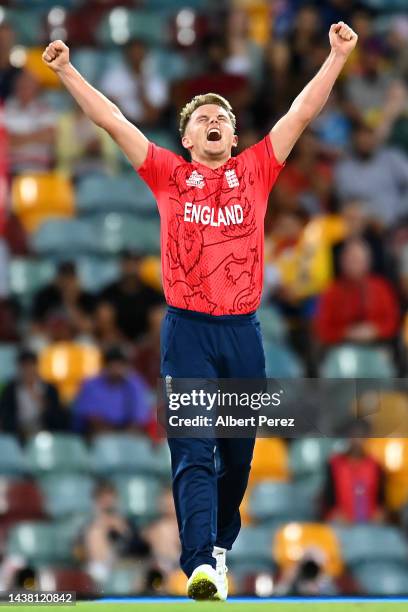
(332, 127)
(28, 404)
(63, 295)
(83, 148)
(307, 576)
(214, 77)
(105, 327)
(116, 399)
(374, 174)
(8, 73)
(358, 307)
(163, 535)
(110, 536)
(147, 352)
(15, 235)
(135, 85)
(366, 92)
(243, 56)
(358, 224)
(354, 488)
(130, 297)
(30, 122)
(305, 182)
(275, 89)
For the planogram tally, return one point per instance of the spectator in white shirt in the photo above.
(135, 86)
(30, 123)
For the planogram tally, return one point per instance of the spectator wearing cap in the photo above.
(358, 307)
(130, 297)
(63, 294)
(115, 400)
(28, 404)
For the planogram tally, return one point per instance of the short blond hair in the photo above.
(197, 101)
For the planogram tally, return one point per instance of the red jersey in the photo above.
(212, 227)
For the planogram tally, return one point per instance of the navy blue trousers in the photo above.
(208, 493)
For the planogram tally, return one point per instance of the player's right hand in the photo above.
(56, 55)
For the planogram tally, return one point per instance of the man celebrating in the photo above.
(212, 216)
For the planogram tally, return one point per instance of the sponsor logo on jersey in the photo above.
(195, 180)
(232, 179)
(228, 215)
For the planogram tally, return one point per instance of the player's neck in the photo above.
(209, 162)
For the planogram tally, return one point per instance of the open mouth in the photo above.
(214, 134)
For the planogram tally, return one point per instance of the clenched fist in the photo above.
(342, 38)
(56, 55)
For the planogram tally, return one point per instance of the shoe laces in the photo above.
(221, 568)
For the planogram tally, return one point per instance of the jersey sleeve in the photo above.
(157, 168)
(261, 159)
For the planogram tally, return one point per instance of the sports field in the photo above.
(231, 606)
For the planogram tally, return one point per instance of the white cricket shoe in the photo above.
(221, 569)
(203, 583)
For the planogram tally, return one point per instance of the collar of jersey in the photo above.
(219, 170)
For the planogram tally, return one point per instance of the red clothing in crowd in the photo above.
(346, 303)
(354, 488)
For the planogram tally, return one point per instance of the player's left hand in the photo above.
(342, 38)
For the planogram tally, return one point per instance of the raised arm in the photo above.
(96, 106)
(314, 96)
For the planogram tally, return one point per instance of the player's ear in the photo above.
(186, 142)
(235, 140)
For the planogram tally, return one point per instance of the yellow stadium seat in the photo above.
(392, 455)
(386, 411)
(176, 583)
(34, 64)
(38, 197)
(294, 539)
(67, 364)
(270, 460)
(150, 272)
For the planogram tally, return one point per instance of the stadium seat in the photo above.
(57, 453)
(273, 325)
(12, 459)
(125, 193)
(150, 272)
(362, 543)
(67, 494)
(139, 496)
(357, 362)
(391, 453)
(281, 362)
(270, 460)
(29, 275)
(123, 454)
(39, 197)
(377, 578)
(122, 24)
(387, 412)
(66, 580)
(96, 272)
(26, 23)
(294, 539)
(20, 500)
(253, 548)
(67, 364)
(176, 583)
(65, 239)
(309, 456)
(114, 232)
(279, 501)
(40, 543)
(33, 63)
(89, 62)
(8, 361)
(128, 579)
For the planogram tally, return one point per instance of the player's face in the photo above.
(209, 133)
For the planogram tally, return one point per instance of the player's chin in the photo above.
(215, 147)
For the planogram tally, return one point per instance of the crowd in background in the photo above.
(336, 228)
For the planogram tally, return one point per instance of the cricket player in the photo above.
(212, 212)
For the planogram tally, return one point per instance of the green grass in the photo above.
(229, 607)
